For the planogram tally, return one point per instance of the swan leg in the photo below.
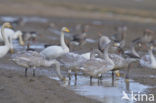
(69, 74)
(26, 69)
(112, 78)
(91, 80)
(33, 72)
(75, 76)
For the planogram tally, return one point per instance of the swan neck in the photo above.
(153, 59)
(63, 44)
(4, 36)
(106, 55)
(57, 64)
(134, 51)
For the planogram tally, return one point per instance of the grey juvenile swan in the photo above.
(32, 59)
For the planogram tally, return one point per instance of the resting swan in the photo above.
(53, 52)
(149, 61)
(5, 48)
(34, 59)
(13, 35)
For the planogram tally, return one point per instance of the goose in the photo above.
(5, 48)
(81, 37)
(95, 68)
(149, 61)
(53, 52)
(29, 36)
(143, 41)
(32, 59)
(13, 35)
(119, 37)
(132, 53)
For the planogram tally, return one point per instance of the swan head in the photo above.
(7, 25)
(19, 33)
(65, 29)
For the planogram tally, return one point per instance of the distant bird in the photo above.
(29, 36)
(120, 36)
(5, 48)
(53, 52)
(144, 40)
(132, 53)
(81, 37)
(32, 59)
(149, 60)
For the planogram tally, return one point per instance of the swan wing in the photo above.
(53, 52)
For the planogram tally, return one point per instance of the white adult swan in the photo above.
(53, 52)
(149, 61)
(5, 48)
(34, 59)
(13, 35)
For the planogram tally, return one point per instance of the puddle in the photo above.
(96, 22)
(106, 92)
(8, 18)
(24, 19)
(35, 19)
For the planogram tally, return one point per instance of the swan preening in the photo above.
(13, 35)
(32, 59)
(149, 61)
(7, 41)
(53, 52)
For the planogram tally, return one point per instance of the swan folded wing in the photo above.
(145, 61)
(118, 60)
(71, 60)
(53, 52)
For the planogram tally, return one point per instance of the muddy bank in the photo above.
(15, 88)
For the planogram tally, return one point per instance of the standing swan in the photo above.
(5, 48)
(34, 59)
(95, 68)
(53, 52)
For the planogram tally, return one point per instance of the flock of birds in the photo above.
(110, 55)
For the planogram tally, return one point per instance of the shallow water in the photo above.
(108, 91)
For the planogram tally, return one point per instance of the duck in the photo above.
(53, 52)
(33, 59)
(149, 61)
(6, 47)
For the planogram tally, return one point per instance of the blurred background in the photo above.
(137, 10)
